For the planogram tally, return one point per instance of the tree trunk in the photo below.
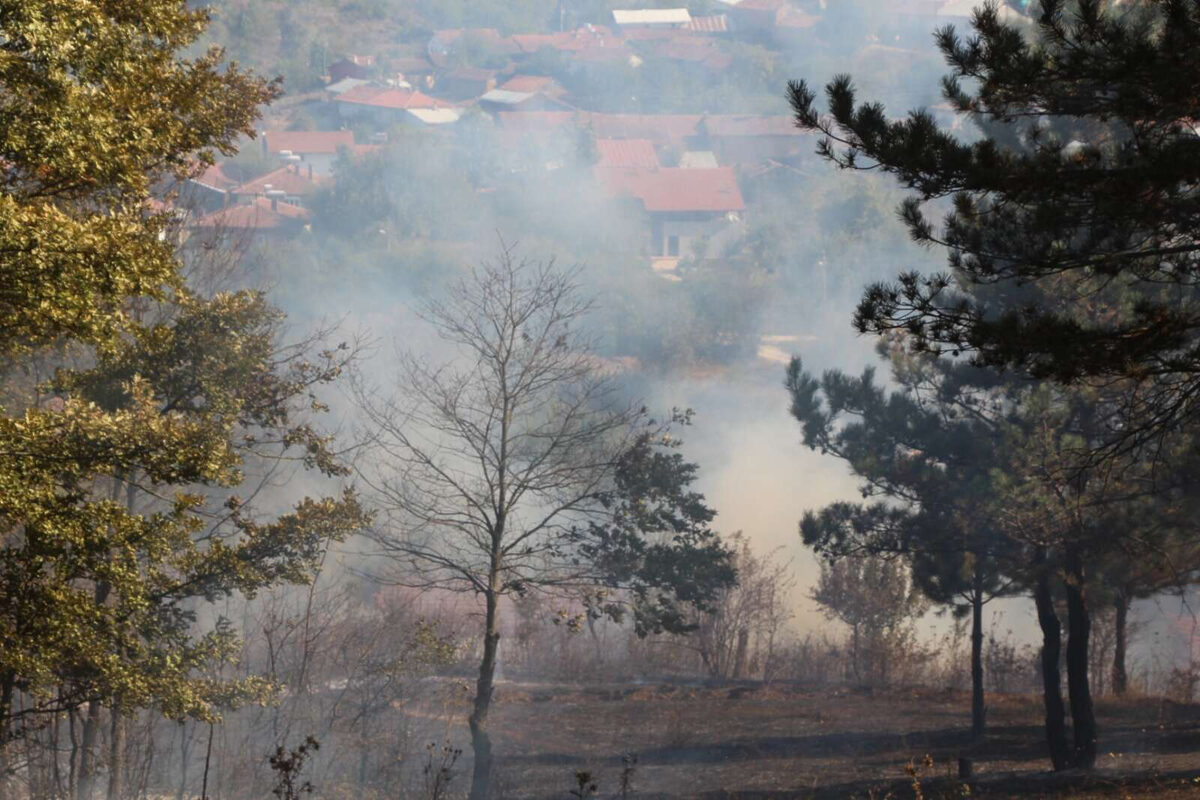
(978, 709)
(1079, 629)
(854, 653)
(86, 783)
(185, 743)
(116, 757)
(364, 747)
(7, 685)
(739, 658)
(481, 742)
(1120, 678)
(1056, 726)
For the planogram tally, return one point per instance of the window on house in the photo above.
(672, 245)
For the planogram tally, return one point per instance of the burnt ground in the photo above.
(784, 742)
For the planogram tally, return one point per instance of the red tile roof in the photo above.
(691, 190)
(399, 99)
(288, 179)
(627, 153)
(301, 142)
(262, 214)
(677, 190)
(215, 178)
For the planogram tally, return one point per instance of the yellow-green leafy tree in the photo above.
(119, 504)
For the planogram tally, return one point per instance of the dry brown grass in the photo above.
(784, 741)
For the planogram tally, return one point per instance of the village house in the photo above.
(387, 106)
(689, 212)
(289, 183)
(416, 70)
(651, 18)
(315, 151)
(465, 83)
(207, 191)
(262, 217)
(353, 66)
(627, 154)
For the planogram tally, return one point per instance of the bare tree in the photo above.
(738, 638)
(485, 468)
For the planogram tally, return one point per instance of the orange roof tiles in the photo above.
(399, 99)
(674, 190)
(627, 153)
(215, 178)
(262, 214)
(286, 179)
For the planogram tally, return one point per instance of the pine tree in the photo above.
(1070, 223)
(929, 449)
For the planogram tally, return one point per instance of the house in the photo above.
(315, 149)
(433, 116)
(463, 83)
(416, 70)
(384, 105)
(207, 191)
(343, 86)
(289, 183)
(353, 66)
(626, 154)
(508, 100)
(265, 216)
(748, 138)
(686, 210)
(652, 17)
